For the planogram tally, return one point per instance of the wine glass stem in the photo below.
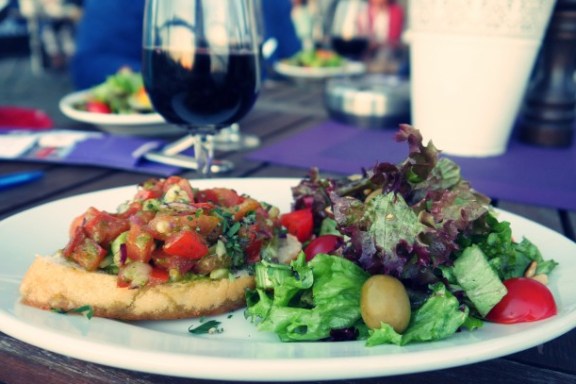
(204, 153)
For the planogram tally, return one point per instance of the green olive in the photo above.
(384, 300)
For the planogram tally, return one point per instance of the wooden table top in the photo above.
(282, 109)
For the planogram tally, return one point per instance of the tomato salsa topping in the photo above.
(170, 231)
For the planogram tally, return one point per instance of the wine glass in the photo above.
(232, 138)
(201, 68)
(349, 30)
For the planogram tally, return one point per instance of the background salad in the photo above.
(121, 93)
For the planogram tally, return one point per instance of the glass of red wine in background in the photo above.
(349, 30)
(201, 68)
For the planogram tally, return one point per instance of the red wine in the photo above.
(352, 48)
(204, 88)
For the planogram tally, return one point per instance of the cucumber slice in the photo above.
(481, 284)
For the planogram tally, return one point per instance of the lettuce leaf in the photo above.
(306, 301)
(507, 257)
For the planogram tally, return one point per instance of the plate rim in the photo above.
(317, 368)
(66, 102)
(348, 68)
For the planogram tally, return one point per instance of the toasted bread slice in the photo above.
(53, 283)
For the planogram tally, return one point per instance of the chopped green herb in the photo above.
(233, 230)
(209, 327)
(85, 310)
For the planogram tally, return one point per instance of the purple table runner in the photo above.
(524, 174)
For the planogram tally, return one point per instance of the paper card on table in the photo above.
(82, 148)
(12, 146)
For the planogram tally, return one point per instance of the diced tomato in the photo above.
(176, 266)
(322, 244)
(245, 207)
(221, 196)
(526, 300)
(132, 209)
(76, 238)
(299, 223)
(210, 263)
(83, 250)
(253, 240)
(204, 225)
(76, 223)
(104, 227)
(147, 194)
(151, 189)
(158, 276)
(139, 243)
(142, 217)
(95, 106)
(206, 207)
(121, 283)
(87, 253)
(207, 195)
(164, 225)
(182, 184)
(253, 250)
(186, 244)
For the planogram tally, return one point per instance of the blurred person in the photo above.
(57, 21)
(109, 37)
(386, 22)
(58, 30)
(278, 25)
(303, 20)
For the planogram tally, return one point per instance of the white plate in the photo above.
(137, 124)
(349, 68)
(166, 347)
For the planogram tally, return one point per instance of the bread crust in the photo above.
(51, 283)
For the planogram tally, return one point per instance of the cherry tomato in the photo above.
(322, 244)
(299, 223)
(97, 107)
(526, 300)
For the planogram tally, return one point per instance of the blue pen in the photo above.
(14, 179)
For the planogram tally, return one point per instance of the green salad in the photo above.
(316, 58)
(402, 253)
(121, 93)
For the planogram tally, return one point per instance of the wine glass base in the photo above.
(232, 139)
(183, 161)
(240, 142)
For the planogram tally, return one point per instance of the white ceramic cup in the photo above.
(471, 62)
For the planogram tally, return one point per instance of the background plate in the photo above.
(166, 347)
(349, 68)
(137, 124)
